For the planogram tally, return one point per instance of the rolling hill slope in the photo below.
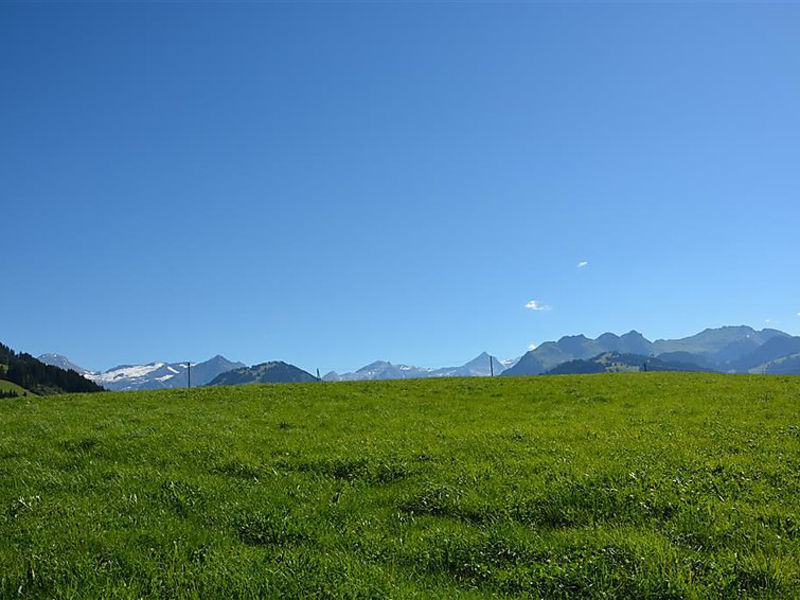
(9, 387)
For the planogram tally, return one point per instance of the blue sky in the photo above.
(331, 184)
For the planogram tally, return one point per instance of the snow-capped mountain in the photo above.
(380, 369)
(152, 376)
(482, 365)
(161, 375)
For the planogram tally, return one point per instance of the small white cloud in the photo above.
(531, 346)
(536, 305)
(583, 263)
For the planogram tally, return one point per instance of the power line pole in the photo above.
(491, 366)
(189, 375)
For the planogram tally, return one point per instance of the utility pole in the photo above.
(189, 375)
(491, 366)
(318, 377)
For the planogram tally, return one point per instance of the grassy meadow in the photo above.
(650, 485)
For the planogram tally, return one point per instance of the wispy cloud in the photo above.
(536, 305)
(583, 263)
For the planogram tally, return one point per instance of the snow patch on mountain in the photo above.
(481, 366)
(152, 376)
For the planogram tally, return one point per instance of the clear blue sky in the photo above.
(331, 184)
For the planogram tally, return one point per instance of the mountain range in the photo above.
(730, 349)
(482, 365)
(152, 376)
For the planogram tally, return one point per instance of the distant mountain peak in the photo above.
(570, 338)
(374, 365)
(482, 357)
(62, 362)
(273, 371)
(632, 333)
(270, 364)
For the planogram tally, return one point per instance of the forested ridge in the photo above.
(32, 374)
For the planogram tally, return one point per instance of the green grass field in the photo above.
(653, 485)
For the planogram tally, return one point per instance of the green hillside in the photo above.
(269, 372)
(11, 387)
(637, 485)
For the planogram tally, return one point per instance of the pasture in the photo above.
(640, 485)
